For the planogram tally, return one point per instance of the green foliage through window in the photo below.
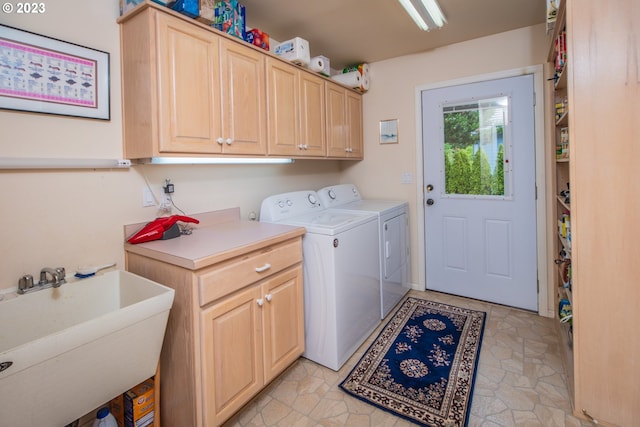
(468, 166)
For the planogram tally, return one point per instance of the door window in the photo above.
(476, 148)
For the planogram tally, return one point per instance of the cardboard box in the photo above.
(207, 11)
(229, 17)
(139, 405)
(116, 406)
(258, 38)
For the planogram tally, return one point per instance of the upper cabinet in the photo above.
(344, 123)
(296, 108)
(189, 90)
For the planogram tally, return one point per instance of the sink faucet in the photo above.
(57, 276)
(26, 283)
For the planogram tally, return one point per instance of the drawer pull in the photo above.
(265, 267)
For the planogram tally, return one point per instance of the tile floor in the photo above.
(520, 381)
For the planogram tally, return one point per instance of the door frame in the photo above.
(546, 298)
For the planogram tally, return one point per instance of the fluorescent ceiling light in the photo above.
(413, 13)
(424, 13)
(213, 160)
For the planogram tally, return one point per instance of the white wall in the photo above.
(393, 95)
(75, 218)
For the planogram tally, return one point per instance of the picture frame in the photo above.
(389, 131)
(41, 74)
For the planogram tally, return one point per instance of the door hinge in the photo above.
(536, 192)
(534, 99)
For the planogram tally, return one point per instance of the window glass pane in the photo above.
(474, 147)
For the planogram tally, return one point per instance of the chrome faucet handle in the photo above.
(25, 283)
(61, 274)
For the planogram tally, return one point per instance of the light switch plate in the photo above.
(147, 198)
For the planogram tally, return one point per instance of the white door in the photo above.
(479, 191)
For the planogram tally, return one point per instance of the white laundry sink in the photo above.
(75, 347)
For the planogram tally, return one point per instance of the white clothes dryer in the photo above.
(394, 249)
(340, 264)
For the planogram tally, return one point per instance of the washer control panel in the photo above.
(286, 205)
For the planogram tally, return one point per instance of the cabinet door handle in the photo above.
(220, 140)
(268, 297)
(260, 302)
(229, 141)
(265, 267)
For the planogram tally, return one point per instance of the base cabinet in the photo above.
(234, 326)
(248, 339)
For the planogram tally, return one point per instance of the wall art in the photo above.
(45, 75)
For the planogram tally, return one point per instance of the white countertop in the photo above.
(219, 236)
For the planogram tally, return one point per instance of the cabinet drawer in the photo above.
(241, 271)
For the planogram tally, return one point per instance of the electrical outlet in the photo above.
(147, 198)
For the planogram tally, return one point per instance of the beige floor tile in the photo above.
(520, 381)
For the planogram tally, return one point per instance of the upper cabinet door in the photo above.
(336, 121)
(189, 95)
(283, 108)
(243, 99)
(354, 125)
(313, 134)
(344, 122)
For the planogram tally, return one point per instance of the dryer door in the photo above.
(394, 238)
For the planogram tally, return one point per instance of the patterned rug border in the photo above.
(400, 316)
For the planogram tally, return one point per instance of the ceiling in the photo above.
(355, 31)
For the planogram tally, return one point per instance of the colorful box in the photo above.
(229, 17)
(139, 403)
(258, 38)
(191, 8)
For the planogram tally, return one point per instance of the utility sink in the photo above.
(65, 351)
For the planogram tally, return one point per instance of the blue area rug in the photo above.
(422, 365)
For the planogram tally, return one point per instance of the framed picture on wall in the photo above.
(44, 75)
(389, 131)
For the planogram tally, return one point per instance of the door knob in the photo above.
(430, 202)
(429, 188)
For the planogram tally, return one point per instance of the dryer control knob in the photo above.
(312, 199)
(332, 194)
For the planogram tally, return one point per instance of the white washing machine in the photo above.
(393, 221)
(341, 282)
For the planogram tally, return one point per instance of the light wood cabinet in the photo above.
(188, 91)
(603, 93)
(344, 123)
(237, 321)
(296, 111)
(243, 104)
(248, 339)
